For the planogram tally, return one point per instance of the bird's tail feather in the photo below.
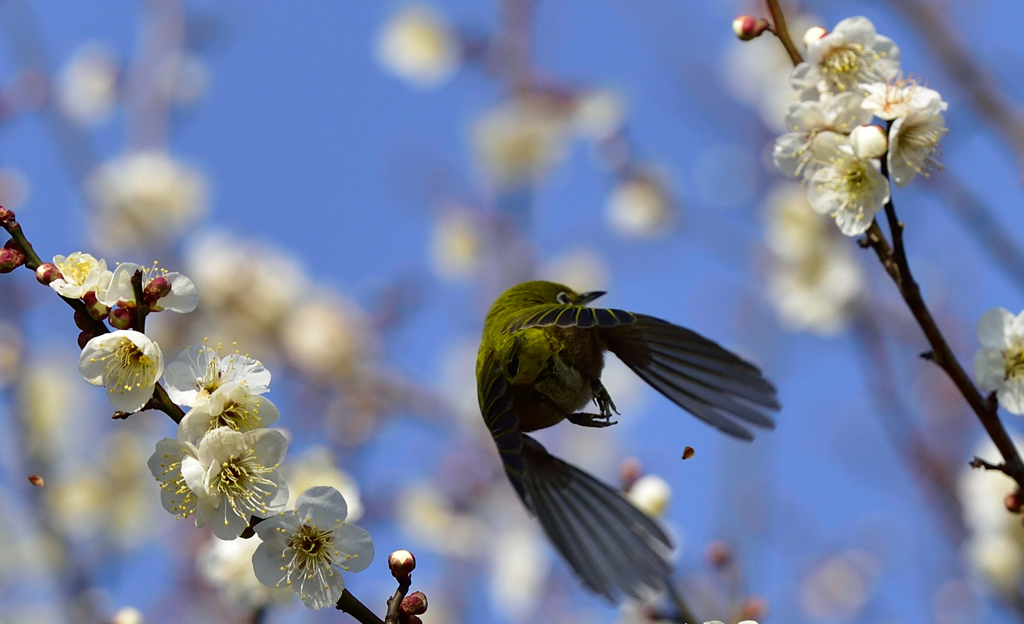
(611, 545)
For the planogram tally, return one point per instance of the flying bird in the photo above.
(540, 363)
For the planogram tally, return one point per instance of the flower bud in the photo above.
(748, 27)
(402, 563)
(753, 607)
(93, 306)
(813, 34)
(6, 217)
(629, 471)
(46, 273)
(120, 318)
(1013, 502)
(11, 259)
(86, 336)
(869, 141)
(414, 604)
(719, 554)
(159, 287)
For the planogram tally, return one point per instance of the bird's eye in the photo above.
(563, 298)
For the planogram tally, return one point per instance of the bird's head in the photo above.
(539, 292)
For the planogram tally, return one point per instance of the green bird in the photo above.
(540, 363)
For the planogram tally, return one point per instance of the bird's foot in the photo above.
(592, 420)
(603, 400)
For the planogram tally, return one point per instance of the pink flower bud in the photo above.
(95, 309)
(11, 256)
(748, 27)
(46, 273)
(414, 604)
(719, 554)
(159, 287)
(6, 217)
(120, 318)
(1013, 503)
(402, 563)
(813, 34)
(869, 141)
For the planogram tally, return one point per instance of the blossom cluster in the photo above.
(851, 77)
(223, 466)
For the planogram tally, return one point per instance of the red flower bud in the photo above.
(719, 554)
(157, 288)
(6, 217)
(93, 306)
(753, 607)
(402, 563)
(120, 318)
(1013, 502)
(748, 27)
(46, 273)
(414, 604)
(11, 257)
(85, 337)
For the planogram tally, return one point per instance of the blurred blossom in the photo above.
(757, 73)
(458, 381)
(250, 285)
(11, 345)
(641, 206)
(183, 77)
(839, 587)
(995, 543)
(519, 570)
(598, 114)
(326, 336)
(87, 84)
(651, 494)
(127, 615)
(426, 515)
(227, 565)
(317, 467)
(457, 245)
(419, 46)
(814, 279)
(583, 270)
(49, 393)
(14, 189)
(518, 141)
(143, 197)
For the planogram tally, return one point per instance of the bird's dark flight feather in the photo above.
(612, 546)
(496, 406)
(564, 315)
(695, 373)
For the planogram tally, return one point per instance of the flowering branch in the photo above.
(836, 160)
(351, 605)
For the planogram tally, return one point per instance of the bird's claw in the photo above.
(598, 421)
(603, 400)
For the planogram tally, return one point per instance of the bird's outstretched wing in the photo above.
(501, 418)
(696, 374)
(567, 315)
(612, 546)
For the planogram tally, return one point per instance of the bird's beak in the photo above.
(587, 297)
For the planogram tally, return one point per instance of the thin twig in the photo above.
(351, 605)
(685, 614)
(395, 602)
(779, 29)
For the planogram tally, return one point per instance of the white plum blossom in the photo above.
(818, 291)
(897, 97)
(309, 547)
(419, 46)
(227, 565)
(853, 54)
(651, 494)
(806, 120)
(848, 188)
(86, 88)
(235, 475)
(999, 363)
(913, 140)
(641, 206)
(520, 140)
(197, 372)
(869, 141)
(127, 363)
(80, 273)
(163, 290)
(233, 406)
(165, 465)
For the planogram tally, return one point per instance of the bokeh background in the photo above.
(351, 184)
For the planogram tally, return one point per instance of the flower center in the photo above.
(239, 417)
(183, 501)
(1013, 362)
(312, 547)
(129, 367)
(76, 272)
(242, 482)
